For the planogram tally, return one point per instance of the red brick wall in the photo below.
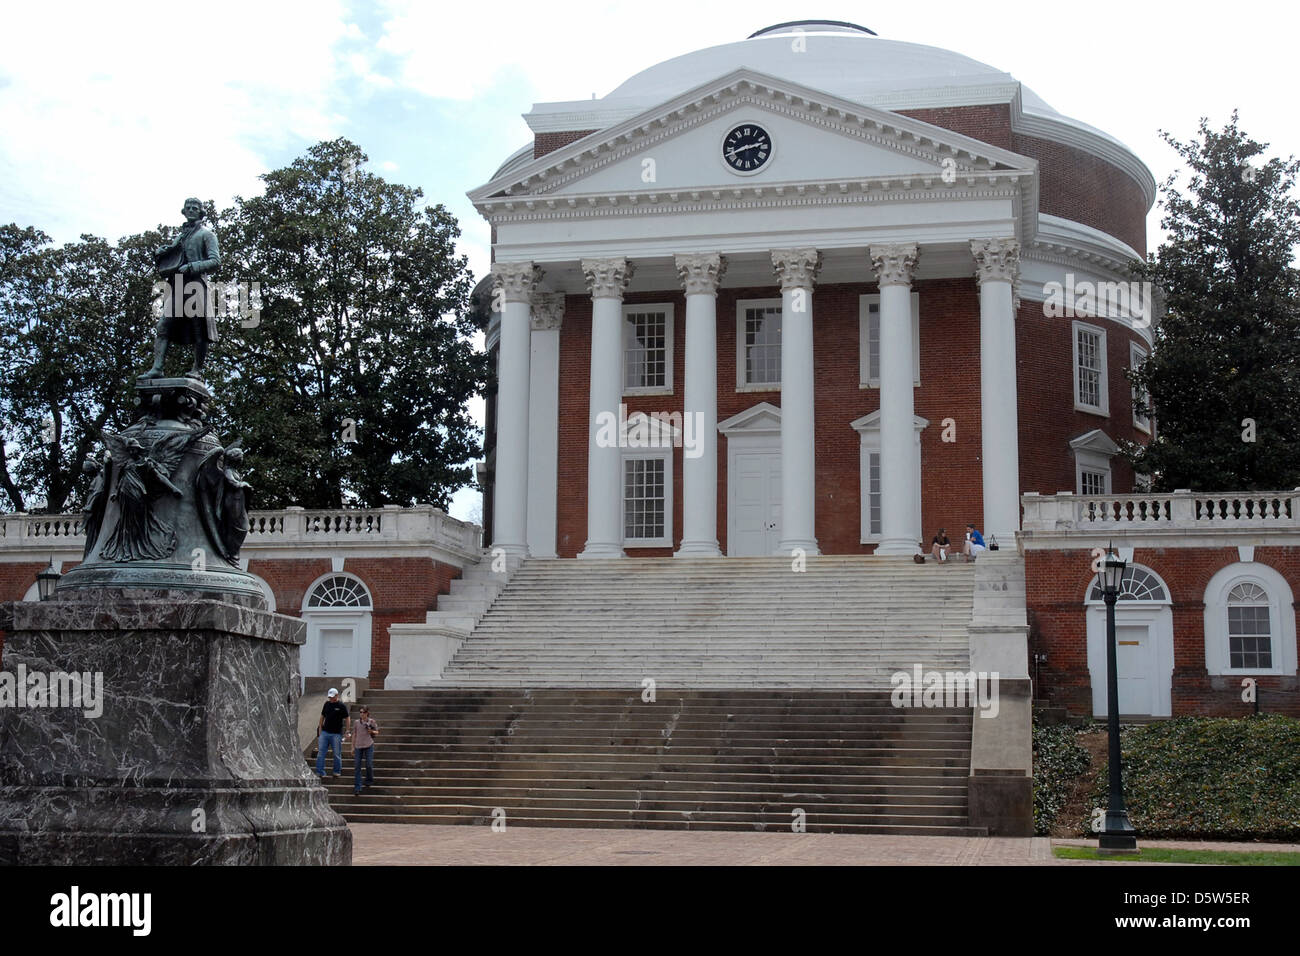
(544, 143)
(1073, 184)
(1056, 582)
(951, 472)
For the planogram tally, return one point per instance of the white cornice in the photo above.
(744, 86)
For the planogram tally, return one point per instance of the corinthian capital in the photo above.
(796, 268)
(547, 311)
(701, 272)
(894, 262)
(607, 278)
(996, 259)
(515, 281)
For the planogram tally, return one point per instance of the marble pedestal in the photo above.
(194, 758)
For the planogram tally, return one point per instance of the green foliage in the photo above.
(1228, 348)
(365, 316)
(75, 322)
(1178, 855)
(1059, 759)
(1228, 778)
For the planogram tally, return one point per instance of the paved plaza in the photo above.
(386, 844)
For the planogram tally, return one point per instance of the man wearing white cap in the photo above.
(334, 720)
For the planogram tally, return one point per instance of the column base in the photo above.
(511, 551)
(698, 549)
(599, 549)
(808, 545)
(904, 546)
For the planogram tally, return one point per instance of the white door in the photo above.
(337, 651)
(1133, 666)
(756, 504)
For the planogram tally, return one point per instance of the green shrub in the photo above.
(1058, 761)
(1221, 777)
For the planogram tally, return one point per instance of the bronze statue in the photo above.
(188, 314)
(221, 496)
(92, 512)
(140, 533)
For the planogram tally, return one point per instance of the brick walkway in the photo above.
(412, 845)
(406, 845)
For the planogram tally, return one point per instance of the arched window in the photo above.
(1249, 621)
(338, 590)
(1140, 584)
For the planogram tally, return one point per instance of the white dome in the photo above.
(838, 59)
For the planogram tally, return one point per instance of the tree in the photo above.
(1224, 374)
(351, 386)
(74, 324)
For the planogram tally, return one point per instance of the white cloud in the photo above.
(117, 113)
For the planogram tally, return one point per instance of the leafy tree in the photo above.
(74, 322)
(1226, 364)
(363, 333)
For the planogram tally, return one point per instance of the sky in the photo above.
(111, 114)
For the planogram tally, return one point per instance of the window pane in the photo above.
(1089, 368)
(874, 497)
(763, 346)
(873, 342)
(644, 513)
(1250, 643)
(646, 357)
(1092, 483)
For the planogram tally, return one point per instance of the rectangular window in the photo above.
(874, 497)
(869, 340)
(1090, 369)
(1249, 638)
(1141, 419)
(1092, 482)
(645, 499)
(758, 345)
(647, 349)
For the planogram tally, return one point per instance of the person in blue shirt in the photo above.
(974, 544)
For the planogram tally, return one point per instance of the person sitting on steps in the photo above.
(940, 546)
(974, 545)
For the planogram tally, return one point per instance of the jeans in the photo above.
(326, 741)
(368, 755)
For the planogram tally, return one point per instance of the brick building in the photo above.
(825, 261)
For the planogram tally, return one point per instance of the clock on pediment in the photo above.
(746, 148)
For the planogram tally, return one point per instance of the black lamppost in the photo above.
(1118, 835)
(47, 581)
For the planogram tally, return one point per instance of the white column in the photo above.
(544, 424)
(700, 274)
(797, 269)
(900, 484)
(606, 278)
(997, 264)
(515, 283)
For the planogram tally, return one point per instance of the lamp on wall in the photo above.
(1118, 836)
(47, 581)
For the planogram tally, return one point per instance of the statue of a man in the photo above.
(188, 315)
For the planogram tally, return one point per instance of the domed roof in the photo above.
(842, 59)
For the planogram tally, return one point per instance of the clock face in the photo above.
(747, 148)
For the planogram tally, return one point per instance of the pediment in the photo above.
(1096, 442)
(763, 418)
(820, 143)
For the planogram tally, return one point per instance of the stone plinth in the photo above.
(194, 758)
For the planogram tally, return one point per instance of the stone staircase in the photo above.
(829, 761)
(846, 622)
(769, 707)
